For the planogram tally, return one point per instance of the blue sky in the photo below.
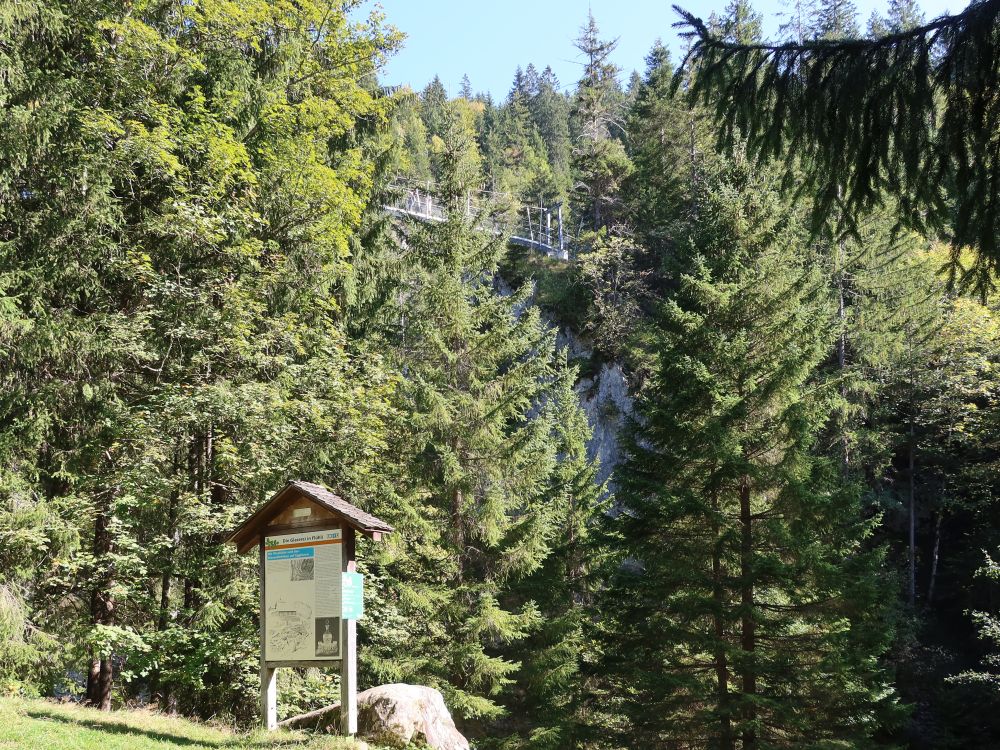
(488, 40)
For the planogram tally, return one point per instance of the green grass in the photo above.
(46, 725)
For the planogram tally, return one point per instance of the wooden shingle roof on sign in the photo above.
(361, 520)
(297, 496)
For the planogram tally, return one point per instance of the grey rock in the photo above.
(606, 402)
(394, 715)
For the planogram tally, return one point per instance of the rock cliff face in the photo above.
(605, 399)
(604, 396)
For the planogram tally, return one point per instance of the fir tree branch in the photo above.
(910, 118)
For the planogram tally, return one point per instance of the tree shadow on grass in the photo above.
(118, 727)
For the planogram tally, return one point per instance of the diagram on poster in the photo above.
(302, 596)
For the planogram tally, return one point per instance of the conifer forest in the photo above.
(680, 387)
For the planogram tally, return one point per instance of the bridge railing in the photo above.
(537, 227)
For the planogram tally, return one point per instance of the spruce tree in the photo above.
(550, 113)
(671, 147)
(986, 674)
(434, 101)
(903, 15)
(743, 608)
(485, 391)
(798, 20)
(738, 23)
(835, 19)
(549, 704)
(465, 90)
(599, 160)
(531, 82)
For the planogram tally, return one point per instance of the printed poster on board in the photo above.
(302, 596)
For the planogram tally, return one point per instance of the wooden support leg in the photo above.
(268, 696)
(349, 678)
(268, 681)
(348, 649)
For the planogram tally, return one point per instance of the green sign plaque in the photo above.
(352, 602)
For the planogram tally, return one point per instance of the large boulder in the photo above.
(395, 715)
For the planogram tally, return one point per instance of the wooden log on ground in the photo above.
(318, 719)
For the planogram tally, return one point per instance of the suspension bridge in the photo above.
(536, 227)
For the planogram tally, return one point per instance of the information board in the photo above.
(303, 596)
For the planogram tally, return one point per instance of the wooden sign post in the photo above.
(349, 641)
(311, 595)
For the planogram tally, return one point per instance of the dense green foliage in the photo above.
(175, 226)
(750, 580)
(202, 296)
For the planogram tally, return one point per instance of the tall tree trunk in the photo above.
(93, 677)
(190, 597)
(842, 355)
(161, 624)
(458, 531)
(166, 583)
(748, 636)
(913, 514)
(104, 687)
(216, 489)
(167, 575)
(99, 675)
(692, 156)
(197, 458)
(726, 739)
(574, 558)
(934, 558)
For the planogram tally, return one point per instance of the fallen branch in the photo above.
(314, 719)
